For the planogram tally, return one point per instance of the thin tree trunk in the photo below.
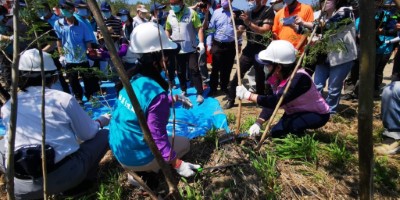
(136, 106)
(365, 100)
(142, 184)
(14, 107)
(239, 112)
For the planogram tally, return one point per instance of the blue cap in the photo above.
(63, 3)
(105, 6)
(123, 12)
(80, 4)
(156, 6)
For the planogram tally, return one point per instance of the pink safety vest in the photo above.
(310, 101)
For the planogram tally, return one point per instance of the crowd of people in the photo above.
(186, 34)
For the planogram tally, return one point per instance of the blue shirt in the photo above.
(221, 27)
(73, 39)
(52, 20)
(385, 19)
(88, 25)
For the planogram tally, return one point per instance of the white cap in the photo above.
(30, 61)
(141, 8)
(145, 39)
(278, 51)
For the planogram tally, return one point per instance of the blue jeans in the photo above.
(390, 110)
(336, 75)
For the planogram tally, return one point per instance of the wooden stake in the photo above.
(173, 189)
(14, 106)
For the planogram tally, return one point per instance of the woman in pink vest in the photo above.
(303, 104)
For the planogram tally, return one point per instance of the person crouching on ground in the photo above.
(74, 143)
(303, 104)
(126, 136)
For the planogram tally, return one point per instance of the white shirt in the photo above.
(66, 121)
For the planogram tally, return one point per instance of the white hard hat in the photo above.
(30, 61)
(278, 51)
(145, 39)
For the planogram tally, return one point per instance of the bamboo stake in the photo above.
(239, 112)
(365, 101)
(142, 184)
(44, 167)
(173, 190)
(278, 105)
(14, 107)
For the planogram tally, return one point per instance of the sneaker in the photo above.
(389, 146)
(200, 99)
(132, 181)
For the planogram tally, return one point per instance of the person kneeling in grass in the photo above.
(126, 136)
(303, 104)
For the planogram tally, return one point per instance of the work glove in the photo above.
(62, 61)
(201, 48)
(186, 103)
(387, 42)
(255, 129)
(104, 120)
(242, 92)
(186, 169)
(11, 38)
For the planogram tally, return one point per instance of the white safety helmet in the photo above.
(30, 62)
(145, 39)
(278, 51)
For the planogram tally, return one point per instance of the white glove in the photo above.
(11, 38)
(387, 42)
(201, 48)
(242, 92)
(104, 120)
(255, 129)
(186, 169)
(62, 61)
(186, 103)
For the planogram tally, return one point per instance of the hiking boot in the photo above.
(229, 104)
(389, 146)
(200, 99)
(348, 97)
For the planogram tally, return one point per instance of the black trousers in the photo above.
(90, 80)
(247, 60)
(223, 55)
(183, 61)
(61, 78)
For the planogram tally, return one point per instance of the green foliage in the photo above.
(385, 175)
(293, 147)
(211, 135)
(317, 51)
(110, 188)
(265, 166)
(339, 155)
(191, 191)
(221, 195)
(248, 122)
(231, 118)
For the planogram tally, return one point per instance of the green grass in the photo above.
(385, 175)
(265, 166)
(110, 188)
(231, 118)
(339, 155)
(248, 122)
(191, 191)
(299, 148)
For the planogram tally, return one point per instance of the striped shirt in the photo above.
(115, 23)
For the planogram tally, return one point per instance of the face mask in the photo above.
(106, 14)
(82, 12)
(176, 8)
(124, 18)
(224, 3)
(277, 6)
(66, 13)
(288, 2)
(252, 5)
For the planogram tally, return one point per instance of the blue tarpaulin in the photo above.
(190, 123)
